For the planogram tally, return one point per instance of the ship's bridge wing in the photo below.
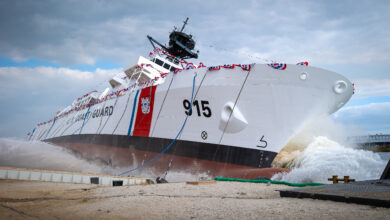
(149, 69)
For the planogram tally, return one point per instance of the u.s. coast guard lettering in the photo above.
(106, 111)
(95, 113)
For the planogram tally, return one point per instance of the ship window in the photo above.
(166, 66)
(172, 68)
(159, 62)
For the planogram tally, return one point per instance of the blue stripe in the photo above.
(50, 128)
(132, 114)
(31, 134)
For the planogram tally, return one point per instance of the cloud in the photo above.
(32, 95)
(70, 33)
(373, 117)
(365, 88)
(44, 78)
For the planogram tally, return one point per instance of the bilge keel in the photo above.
(240, 117)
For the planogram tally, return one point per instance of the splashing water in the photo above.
(40, 155)
(324, 158)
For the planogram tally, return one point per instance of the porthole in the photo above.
(303, 76)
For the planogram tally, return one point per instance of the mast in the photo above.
(185, 22)
(181, 44)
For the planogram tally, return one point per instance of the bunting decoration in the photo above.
(305, 63)
(157, 50)
(140, 85)
(201, 65)
(177, 70)
(278, 66)
(228, 66)
(245, 67)
(190, 66)
(210, 68)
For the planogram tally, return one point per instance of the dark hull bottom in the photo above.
(197, 159)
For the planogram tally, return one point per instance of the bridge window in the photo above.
(167, 66)
(159, 62)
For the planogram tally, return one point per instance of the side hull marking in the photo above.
(143, 120)
(132, 114)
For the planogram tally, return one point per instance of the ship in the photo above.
(166, 114)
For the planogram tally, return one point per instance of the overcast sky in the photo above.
(52, 52)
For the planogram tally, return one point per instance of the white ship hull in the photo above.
(240, 119)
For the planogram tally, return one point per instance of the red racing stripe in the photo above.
(143, 119)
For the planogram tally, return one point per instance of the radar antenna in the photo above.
(185, 22)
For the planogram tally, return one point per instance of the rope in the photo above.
(124, 111)
(32, 133)
(81, 128)
(60, 127)
(50, 128)
(109, 116)
(269, 181)
(173, 141)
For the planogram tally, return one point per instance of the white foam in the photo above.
(320, 151)
(324, 158)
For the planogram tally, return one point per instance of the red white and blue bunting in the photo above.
(245, 67)
(190, 66)
(140, 85)
(278, 66)
(305, 63)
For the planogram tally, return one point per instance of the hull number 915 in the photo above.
(206, 111)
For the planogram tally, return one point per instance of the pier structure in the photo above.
(377, 142)
(14, 173)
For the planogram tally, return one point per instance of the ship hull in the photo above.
(199, 160)
(240, 119)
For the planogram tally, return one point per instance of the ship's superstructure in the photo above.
(169, 114)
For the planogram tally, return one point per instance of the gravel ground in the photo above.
(221, 200)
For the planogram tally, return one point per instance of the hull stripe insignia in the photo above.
(143, 119)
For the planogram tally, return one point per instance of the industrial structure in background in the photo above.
(377, 142)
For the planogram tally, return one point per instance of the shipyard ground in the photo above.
(221, 200)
